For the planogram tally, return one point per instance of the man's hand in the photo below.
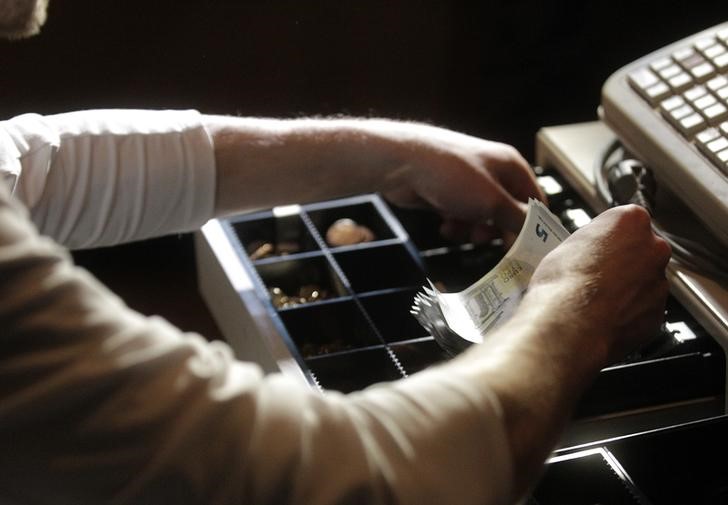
(480, 187)
(608, 279)
(597, 295)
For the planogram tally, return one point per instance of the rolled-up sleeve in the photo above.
(101, 405)
(103, 177)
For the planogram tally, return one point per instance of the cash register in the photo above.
(650, 428)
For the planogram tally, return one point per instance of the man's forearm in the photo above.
(267, 162)
(538, 365)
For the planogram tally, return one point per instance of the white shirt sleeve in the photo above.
(102, 177)
(101, 405)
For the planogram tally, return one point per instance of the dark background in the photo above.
(498, 69)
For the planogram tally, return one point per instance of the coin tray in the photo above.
(341, 342)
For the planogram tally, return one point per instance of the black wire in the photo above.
(600, 164)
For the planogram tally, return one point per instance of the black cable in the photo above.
(600, 162)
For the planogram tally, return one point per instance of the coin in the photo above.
(346, 231)
(261, 251)
(306, 294)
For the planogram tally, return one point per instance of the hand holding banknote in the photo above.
(457, 320)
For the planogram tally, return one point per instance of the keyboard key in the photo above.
(691, 124)
(704, 102)
(684, 55)
(680, 112)
(721, 159)
(695, 60)
(706, 136)
(643, 78)
(680, 82)
(717, 151)
(658, 92)
(722, 93)
(702, 44)
(672, 103)
(704, 140)
(724, 128)
(703, 71)
(723, 34)
(717, 82)
(721, 61)
(670, 71)
(694, 93)
(714, 51)
(715, 113)
(660, 64)
(717, 145)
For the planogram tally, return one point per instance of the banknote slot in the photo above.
(377, 268)
(299, 279)
(355, 370)
(678, 465)
(328, 328)
(584, 479)
(653, 383)
(371, 224)
(416, 356)
(456, 269)
(390, 313)
(271, 236)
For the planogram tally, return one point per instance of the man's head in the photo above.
(21, 18)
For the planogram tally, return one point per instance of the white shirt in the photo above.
(104, 177)
(99, 404)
